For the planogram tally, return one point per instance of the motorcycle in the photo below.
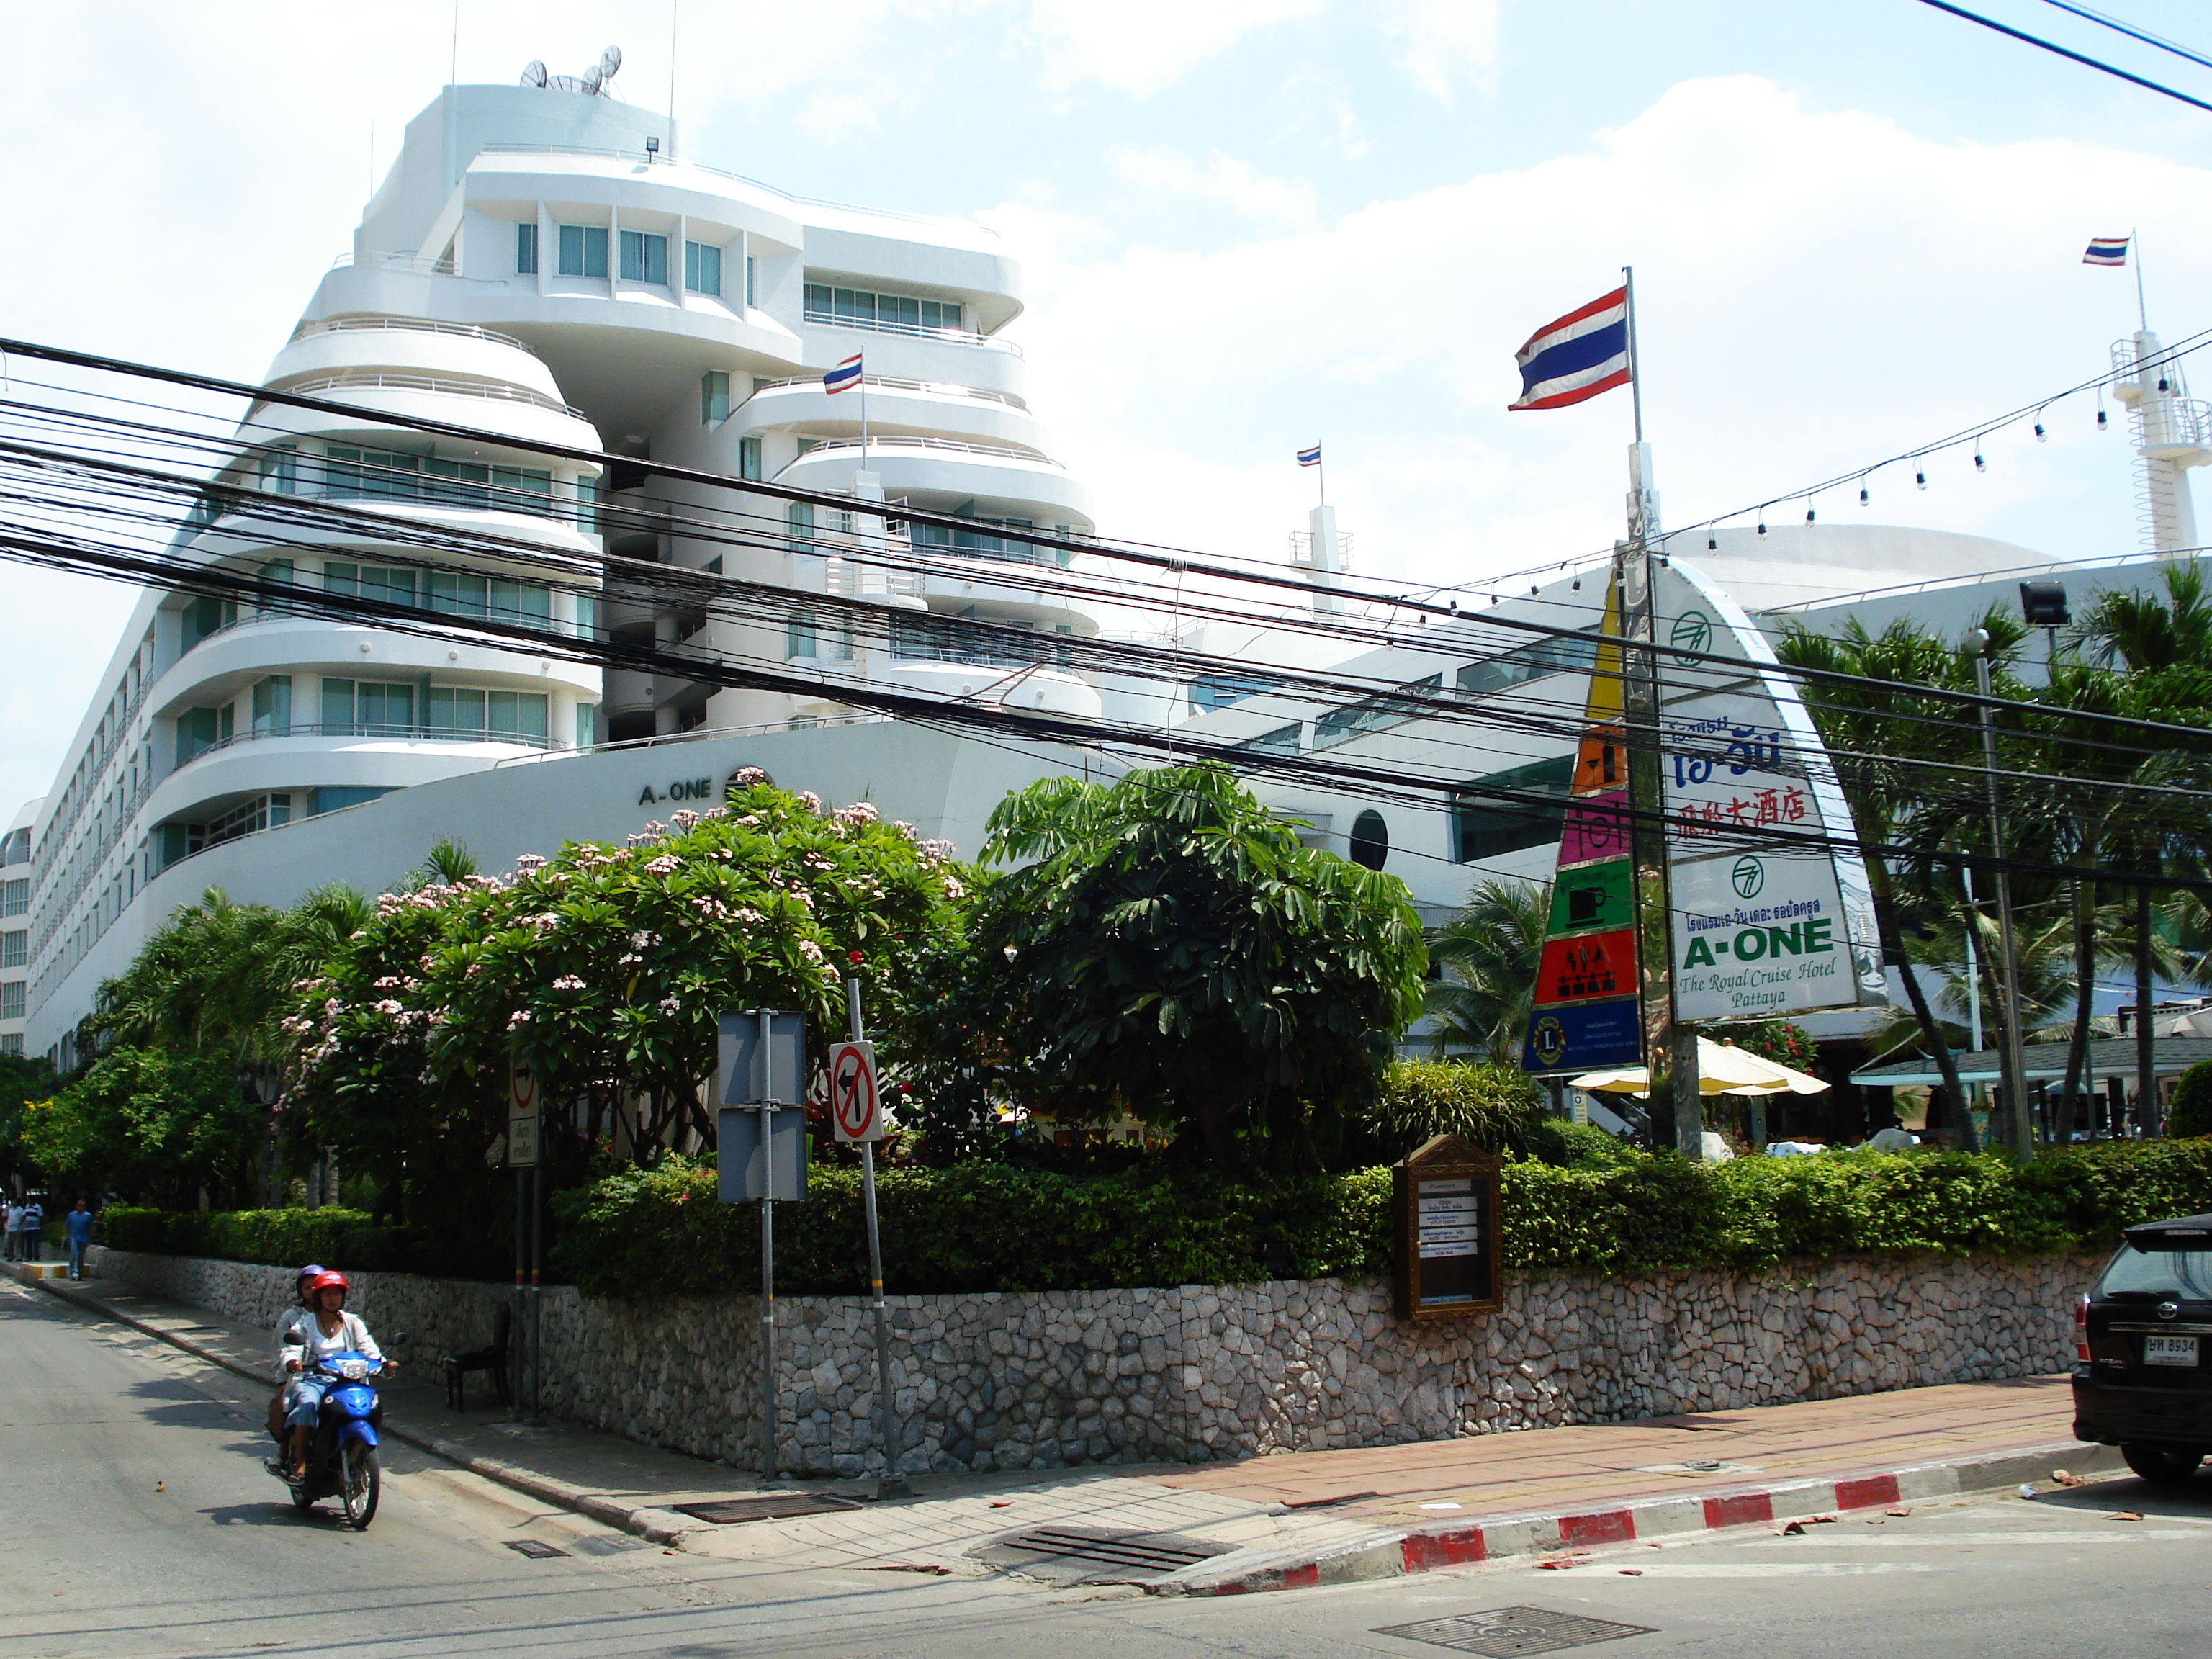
(341, 1458)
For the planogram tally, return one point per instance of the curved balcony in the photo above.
(224, 665)
(937, 474)
(475, 357)
(528, 420)
(994, 420)
(901, 351)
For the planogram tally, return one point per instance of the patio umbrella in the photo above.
(1723, 1069)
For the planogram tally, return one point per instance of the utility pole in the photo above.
(1670, 1052)
(2021, 1129)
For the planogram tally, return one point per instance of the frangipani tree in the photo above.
(602, 970)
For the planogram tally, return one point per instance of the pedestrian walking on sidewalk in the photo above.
(78, 1223)
(11, 1233)
(31, 1234)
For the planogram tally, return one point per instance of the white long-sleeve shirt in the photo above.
(308, 1344)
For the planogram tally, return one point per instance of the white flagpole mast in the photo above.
(2135, 248)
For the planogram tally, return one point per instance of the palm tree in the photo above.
(1490, 954)
(1881, 739)
(2165, 645)
(448, 862)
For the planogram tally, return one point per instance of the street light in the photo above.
(2022, 1134)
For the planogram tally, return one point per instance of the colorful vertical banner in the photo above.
(1584, 1014)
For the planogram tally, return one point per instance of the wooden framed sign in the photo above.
(1448, 1239)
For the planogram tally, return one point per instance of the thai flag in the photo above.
(844, 377)
(2106, 251)
(1577, 357)
(1310, 456)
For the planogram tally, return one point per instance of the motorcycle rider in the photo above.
(286, 1332)
(328, 1330)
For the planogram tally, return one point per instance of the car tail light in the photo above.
(2081, 1330)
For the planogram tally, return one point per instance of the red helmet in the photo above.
(327, 1281)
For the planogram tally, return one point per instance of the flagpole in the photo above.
(1321, 477)
(2135, 247)
(864, 415)
(1635, 367)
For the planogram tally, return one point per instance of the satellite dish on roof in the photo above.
(610, 63)
(533, 73)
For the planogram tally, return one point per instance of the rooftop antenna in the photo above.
(533, 73)
(597, 76)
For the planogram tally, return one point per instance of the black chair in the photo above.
(457, 1366)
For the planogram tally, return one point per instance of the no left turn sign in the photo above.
(853, 1110)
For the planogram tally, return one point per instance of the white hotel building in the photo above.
(544, 266)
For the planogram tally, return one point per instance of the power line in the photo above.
(2131, 31)
(2063, 51)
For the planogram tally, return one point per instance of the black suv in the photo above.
(2142, 1338)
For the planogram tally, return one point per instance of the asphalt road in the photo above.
(134, 1519)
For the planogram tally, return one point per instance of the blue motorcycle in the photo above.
(342, 1461)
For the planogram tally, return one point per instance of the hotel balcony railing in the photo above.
(408, 261)
(429, 383)
(892, 383)
(912, 331)
(410, 325)
(663, 159)
(411, 733)
(1001, 452)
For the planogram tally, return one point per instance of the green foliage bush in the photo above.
(2189, 1114)
(971, 1227)
(1492, 1106)
(336, 1237)
(645, 1234)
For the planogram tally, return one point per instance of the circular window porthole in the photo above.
(1370, 839)
(744, 777)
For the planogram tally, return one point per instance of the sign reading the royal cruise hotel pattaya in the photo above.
(1762, 929)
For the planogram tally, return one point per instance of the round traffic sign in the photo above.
(853, 1106)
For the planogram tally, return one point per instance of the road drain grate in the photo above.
(533, 1549)
(1502, 1632)
(729, 1511)
(1156, 1552)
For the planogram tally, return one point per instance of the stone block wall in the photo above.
(1017, 1380)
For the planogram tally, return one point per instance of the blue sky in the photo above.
(1249, 223)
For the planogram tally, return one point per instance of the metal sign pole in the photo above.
(892, 1484)
(767, 1108)
(537, 1293)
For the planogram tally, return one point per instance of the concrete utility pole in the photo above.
(2021, 1124)
(1670, 1052)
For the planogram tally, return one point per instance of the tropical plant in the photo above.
(602, 972)
(2189, 1111)
(166, 1127)
(23, 1079)
(1887, 739)
(2163, 643)
(1489, 955)
(1167, 949)
(1496, 1107)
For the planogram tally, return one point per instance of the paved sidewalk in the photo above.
(1267, 1522)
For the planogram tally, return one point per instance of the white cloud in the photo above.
(1141, 46)
(1221, 178)
(1819, 289)
(1443, 43)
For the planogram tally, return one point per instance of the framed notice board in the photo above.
(1448, 1239)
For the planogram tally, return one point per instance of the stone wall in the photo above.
(1200, 1372)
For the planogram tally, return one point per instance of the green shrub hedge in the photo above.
(336, 1237)
(645, 1234)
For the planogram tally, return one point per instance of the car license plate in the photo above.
(2169, 1350)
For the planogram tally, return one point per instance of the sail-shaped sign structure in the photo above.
(1761, 929)
(1584, 1008)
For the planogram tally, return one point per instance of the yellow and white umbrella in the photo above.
(1723, 1069)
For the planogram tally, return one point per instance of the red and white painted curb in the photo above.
(1496, 1538)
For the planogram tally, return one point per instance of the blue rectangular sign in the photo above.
(1583, 1036)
